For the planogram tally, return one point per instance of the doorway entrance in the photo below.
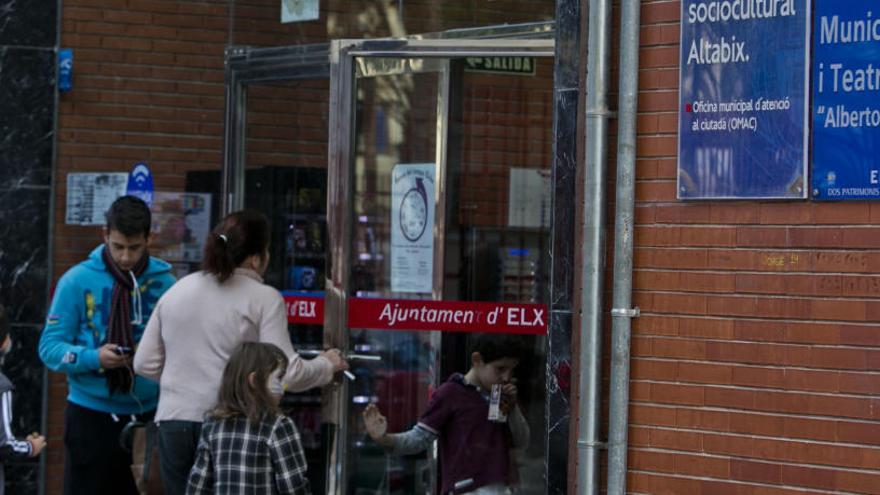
(402, 170)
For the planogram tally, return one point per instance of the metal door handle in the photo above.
(363, 357)
(347, 357)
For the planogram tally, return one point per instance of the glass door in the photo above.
(407, 220)
(400, 112)
(276, 163)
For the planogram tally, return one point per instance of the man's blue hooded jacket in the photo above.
(76, 328)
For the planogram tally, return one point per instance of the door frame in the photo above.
(535, 40)
(336, 61)
(247, 65)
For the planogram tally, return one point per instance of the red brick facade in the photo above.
(755, 358)
(148, 86)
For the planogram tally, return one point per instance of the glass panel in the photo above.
(499, 154)
(502, 212)
(396, 123)
(286, 178)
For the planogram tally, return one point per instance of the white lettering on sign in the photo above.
(517, 317)
(739, 10)
(722, 52)
(302, 309)
(875, 176)
(394, 314)
(834, 30)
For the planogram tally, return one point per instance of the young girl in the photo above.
(247, 445)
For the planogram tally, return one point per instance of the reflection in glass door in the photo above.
(402, 108)
(397, 118)
(285, 177)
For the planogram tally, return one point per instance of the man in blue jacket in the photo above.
(96, 319)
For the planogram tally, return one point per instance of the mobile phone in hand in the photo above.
(123, 350)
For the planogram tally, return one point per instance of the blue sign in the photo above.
(743, 99)
(140, 183)
(65, 70)
(846, 100)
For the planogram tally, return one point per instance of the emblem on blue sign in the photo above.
(140, 183)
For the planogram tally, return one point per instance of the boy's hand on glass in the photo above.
(375, 422)
(38, 443)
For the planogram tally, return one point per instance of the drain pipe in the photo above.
(593, 245)
(622, 313)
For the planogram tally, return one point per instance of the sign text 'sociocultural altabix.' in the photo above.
(743, 99)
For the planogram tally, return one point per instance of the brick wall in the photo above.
(507, 123)
(755, 359)
(148, 86)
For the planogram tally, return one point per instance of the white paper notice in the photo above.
(412, 227)
(90, 195)
(529, 200)
(299, 10)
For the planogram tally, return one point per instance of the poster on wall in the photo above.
(89, 196)
(412, 227)
(181, 222)
(846, 108)
(299, 10)
(743, 99)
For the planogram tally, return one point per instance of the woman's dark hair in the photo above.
(129, 216)
(239, 235)
(238, 396)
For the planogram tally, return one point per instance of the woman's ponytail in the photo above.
(238, 236)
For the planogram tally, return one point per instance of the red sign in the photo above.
(447, 316)
(308, 310)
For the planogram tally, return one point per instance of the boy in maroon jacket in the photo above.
(475, 452)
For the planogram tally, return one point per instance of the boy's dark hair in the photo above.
(493, 347)
(237, 397)
(129, 216)
(4, 324)
(239, 235)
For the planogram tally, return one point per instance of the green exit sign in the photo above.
(501, 65)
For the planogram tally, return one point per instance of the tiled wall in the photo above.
(28, 34)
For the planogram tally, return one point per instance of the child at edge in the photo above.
(247, 445)
(11, 447)
(475, 453)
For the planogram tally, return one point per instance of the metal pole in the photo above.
(622, 313)
(593, 246)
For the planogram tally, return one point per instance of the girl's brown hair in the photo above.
(238, 396)
(239, 235)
